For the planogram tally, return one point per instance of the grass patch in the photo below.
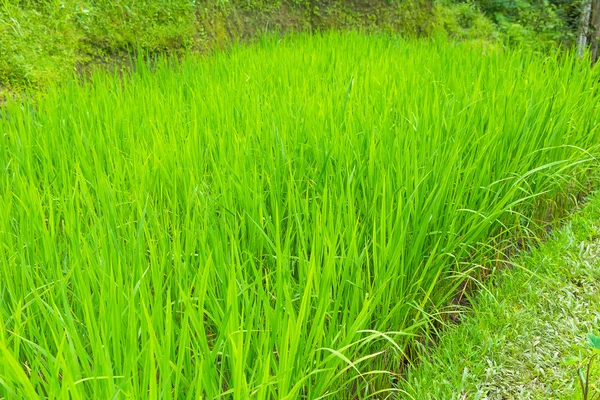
(517, 340)
(278, 221)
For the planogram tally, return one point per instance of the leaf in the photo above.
(594, 341)
(571, 361)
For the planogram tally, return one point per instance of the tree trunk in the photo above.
(584, 26)
(595, 30)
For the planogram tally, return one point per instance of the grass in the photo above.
(46, 41)
(517, 341)
(286, 220)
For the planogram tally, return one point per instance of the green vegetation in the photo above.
(48, 40)
(588, 387)
(541, 23)
(287, 220)
(44, 41)
(525, 336)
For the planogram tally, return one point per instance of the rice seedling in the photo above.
(275, 221)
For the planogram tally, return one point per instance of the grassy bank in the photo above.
(275, 221)
(523, 330)
(45, 41)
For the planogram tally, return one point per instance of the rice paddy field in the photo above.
(286, 220)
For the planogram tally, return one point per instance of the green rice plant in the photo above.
(277, 221)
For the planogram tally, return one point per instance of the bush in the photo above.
(533, 23)
(465, 21)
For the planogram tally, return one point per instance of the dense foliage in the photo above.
(545, 22)
(276, 221)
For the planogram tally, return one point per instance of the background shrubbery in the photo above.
(48, 40)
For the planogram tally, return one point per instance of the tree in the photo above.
(584, 27)
(589, 29)
(595, 30)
